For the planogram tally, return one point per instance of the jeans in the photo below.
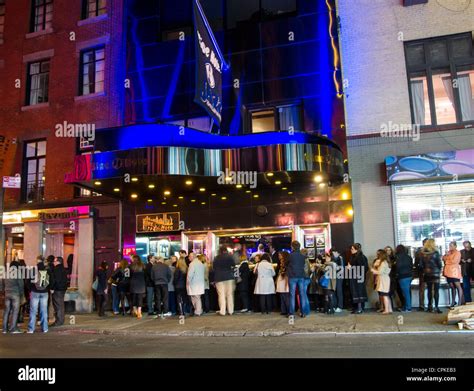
(161, 295)
(405, 286)
(302, 284)
(12, 306)
(172, 302)
(466, 285)
(38, 300)
(150, 295)
(115, 299)
(57, 299)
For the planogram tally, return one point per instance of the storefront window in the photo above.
(442, 211)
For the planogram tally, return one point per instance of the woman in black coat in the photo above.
(431, 265)
(101, 293)
(243, 287)
(137, 285)
(356, 284)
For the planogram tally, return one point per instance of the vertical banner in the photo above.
(209, 66)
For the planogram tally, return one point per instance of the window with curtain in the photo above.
(93, 8)
(440, 75)
(92, 71)
(34, 171)
(38, 82)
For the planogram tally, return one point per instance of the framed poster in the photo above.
(311, 253)
(320, 241)
(309, 241)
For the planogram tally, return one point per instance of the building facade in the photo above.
(409, 82)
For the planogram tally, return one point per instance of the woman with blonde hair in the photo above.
(205, 297)
(452, 272)
(430, 263)
(179, 280)
(381, 269)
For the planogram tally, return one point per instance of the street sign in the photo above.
(12, 182)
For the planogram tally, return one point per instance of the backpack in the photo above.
(42, 280)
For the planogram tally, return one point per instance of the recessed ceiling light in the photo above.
(213, 194)
(290, 192)
(175, 205)
(97, 183)
(247, 191)
(188, 182)
(345, 195)
(116, 189)
(180, 197)
(255, 196)
(152, 186)
(202, 189)
(223, 198)
(134, 196)
(322, 184)
(350, 212)
(318, 178)
(167, 192)
(203, 203)
(193, 200)
(134, 179)
(277, 182)
(150, 200)
(228, 178)
(163, 203)
(284, 188)
(270, 174)
(238, 186)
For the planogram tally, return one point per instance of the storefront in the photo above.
(62, 232)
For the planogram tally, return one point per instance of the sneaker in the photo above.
(30, 332)
(4, 331)
(337, 310)
(167, 314)
(116, 313)
(244, 311)
(45, 331)
(16, 331)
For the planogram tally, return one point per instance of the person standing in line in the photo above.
(224, 279)
(260, 251)
(431, 264)
(25, 298)
(137, 285)
(205, 297)
(376, 265)
(265, 286)
(115, 294)
(394, 287)
(152, 306)
(452, 272)
(39, 296)
(421, 281)
(58, 286)
(123, 285)
(282, 286)
(467, 257)
(171, 292)
(404, 273)
(179, 281)
(101, 292)
(297, 277)
(339, 261)
(243, 286)
(161, 276)
(195, 284)
(382, 271)
(14, 290)
(357, 285)
(49, 267)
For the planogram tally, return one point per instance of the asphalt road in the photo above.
(54, 345)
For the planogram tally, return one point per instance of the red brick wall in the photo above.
(103, 111)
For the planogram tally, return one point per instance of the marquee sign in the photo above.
(158, 222)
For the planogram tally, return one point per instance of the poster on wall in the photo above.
(311, 253)
(320, 241)
(309, 241)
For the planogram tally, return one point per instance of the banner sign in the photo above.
(158, 222)
(12, 182)
(209, 66)
(451, 164)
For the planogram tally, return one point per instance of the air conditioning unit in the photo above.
(407, 3)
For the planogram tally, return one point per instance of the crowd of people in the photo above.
(266, 281)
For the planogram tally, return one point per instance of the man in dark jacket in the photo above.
(419, 270)
(161, 277)
(39, 288)
(14, 290)
(243, 286)
(150, 285)
(225, 280)
(296, 277)
(467, 258)
(58, 286)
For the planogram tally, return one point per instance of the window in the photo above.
(199, 123)
(2, 19)
(33, 171)
(441, 80)
(41, 15)
(442, 211)
(38, 82)
(276, 118)
(93, 8)
(257, 10)
(92, 71)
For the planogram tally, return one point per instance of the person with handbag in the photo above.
(452, 272)
(264, 286)
(282, 287)
(382, 271)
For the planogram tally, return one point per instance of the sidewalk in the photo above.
(257, 325)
